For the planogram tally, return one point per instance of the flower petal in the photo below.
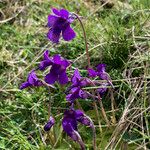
(38, 83)
(69, 122)
(69, 115)
(51, 77)
(57, 59)
(68, 98)
(83, 94)
(56, 11)
(79, 113)
(103, 75)
(32, 78)
(74, 94)
(65, 63)
(75, 89)
(82, 118)
(49, 124)
(54, 35)
(64, 13)
(63, 78)
(84, 82)
(46, 55)
(68, 33)
(101, 67)
(92, 72)
(103, 89)
(52, 20)
(25, 85)
(76, 77)
(44, 64)
(68, 128)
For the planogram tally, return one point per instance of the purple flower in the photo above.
(49, 124)
(32, 80)
(100, 70)
(57, 71)
(59, 23)
(75, 91)
(70, 122)
(83, 119)
(102, 74)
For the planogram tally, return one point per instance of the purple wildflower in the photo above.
(70, 121)
(100, 71)
(103, 74)
(49, 124)
(69, 124)
(57, 71)
(59, 22)
(83, 119)
(32, 80)
(76, 91)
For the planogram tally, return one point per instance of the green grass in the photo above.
(118, 37)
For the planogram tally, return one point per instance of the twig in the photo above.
(97, 114)
(6, 20)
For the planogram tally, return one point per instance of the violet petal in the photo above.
(56, 11)
(76, 77)
(32, 78)
(51, 77)
(57, 59)
(63, 78)
(92, 72)
(64, 13)
(51, 20)
(68, 33)
(49, 124)
(101, 67)
(54, 35)
(25, 85)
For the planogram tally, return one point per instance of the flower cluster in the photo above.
(59, 24)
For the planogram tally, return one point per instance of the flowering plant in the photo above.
(59, 24)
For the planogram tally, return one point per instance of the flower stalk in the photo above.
(85, 39)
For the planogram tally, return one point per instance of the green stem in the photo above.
(85, 39)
